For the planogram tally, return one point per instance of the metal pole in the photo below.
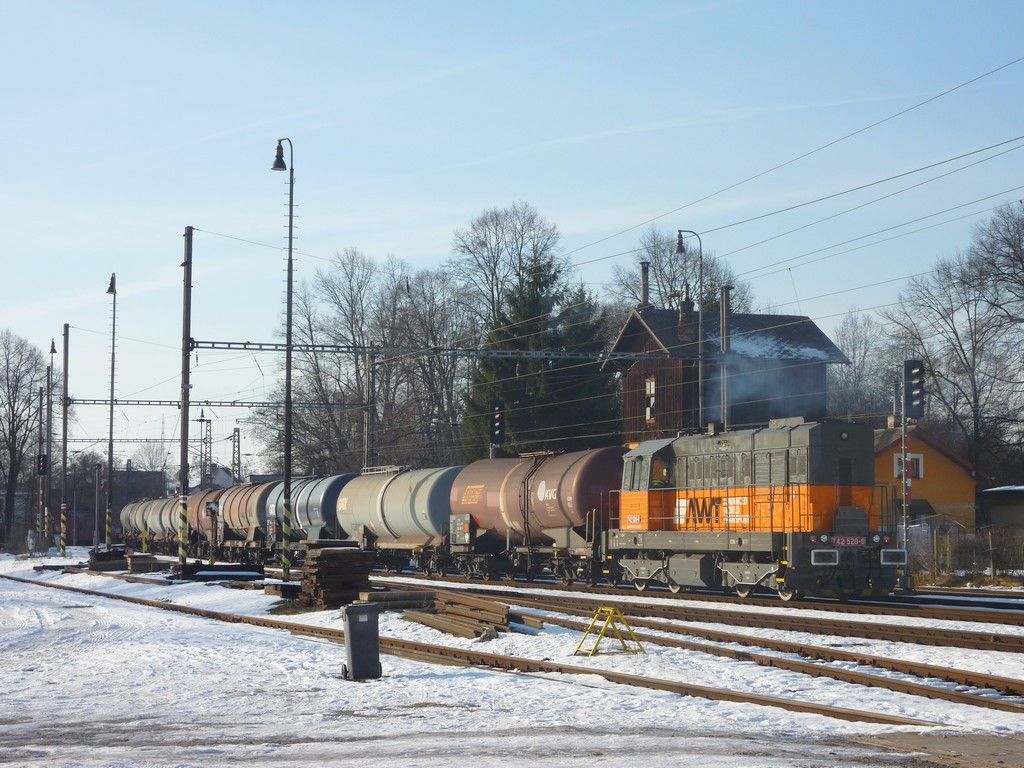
(41, 520)
(47, 523)
(286, 533)
(700, 332)
(723, 333)
(110, 439)
(186, 349)
(700, 326)
(905, 483)
(64, 450)
(369, 414)
(96, 532)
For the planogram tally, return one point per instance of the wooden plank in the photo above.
(441, 623)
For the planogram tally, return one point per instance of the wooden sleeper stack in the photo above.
(334, 576)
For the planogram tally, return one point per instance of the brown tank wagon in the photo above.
(534, 514)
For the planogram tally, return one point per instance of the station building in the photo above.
(943, 486)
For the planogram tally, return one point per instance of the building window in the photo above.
(915, 463)
(649, 394)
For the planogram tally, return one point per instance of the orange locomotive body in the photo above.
(791, 507)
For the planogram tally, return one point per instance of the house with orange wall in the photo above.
(943, 487)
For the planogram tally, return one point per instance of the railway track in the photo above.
(820, 670)
(427, 652)
(981, 615)
(1001, 594)
(957, 638)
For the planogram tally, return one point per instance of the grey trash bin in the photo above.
(362, 642)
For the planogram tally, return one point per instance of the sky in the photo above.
(123, 123)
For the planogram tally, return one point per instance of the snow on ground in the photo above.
(99, 682)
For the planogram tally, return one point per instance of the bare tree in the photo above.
(492, 251)
(864, 386)
(955, 322)
(22, 372)
(151, 457)
(998, 250)
(672, 277)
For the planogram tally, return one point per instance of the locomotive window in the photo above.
(659, 473)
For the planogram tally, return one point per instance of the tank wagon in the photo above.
(403, 514)
(202, 522)
(534, 514)
(791, 507)
(314, 506)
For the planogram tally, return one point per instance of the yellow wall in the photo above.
(946, 485)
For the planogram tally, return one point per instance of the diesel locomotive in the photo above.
(791, 507)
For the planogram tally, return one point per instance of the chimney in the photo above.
(645, 285)
(723, 326)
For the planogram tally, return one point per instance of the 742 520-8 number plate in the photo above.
(849, 541)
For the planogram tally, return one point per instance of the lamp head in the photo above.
(112, 288)
(53, 347)
(680, 244)
(279, 163)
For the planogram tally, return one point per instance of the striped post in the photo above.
(145, 538)
(182, 526)
(286, 541)
(110, 531)
(63, 530)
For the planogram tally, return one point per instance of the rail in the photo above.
(461, 656)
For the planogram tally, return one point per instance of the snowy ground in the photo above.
(95, 682)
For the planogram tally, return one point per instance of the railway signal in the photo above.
(913, 388)
(497, 425)
(42, 464)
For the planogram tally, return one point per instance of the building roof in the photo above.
(884, 438)
(775, 337)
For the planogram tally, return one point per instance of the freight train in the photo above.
(791, 507)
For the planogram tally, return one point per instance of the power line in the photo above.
(804, 155)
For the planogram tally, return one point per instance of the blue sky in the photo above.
(125, 122)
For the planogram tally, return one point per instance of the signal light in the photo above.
(497, 422)
(42, 464)
(913, 389)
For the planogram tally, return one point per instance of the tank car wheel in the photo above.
(744, 590)
(674, 588)
(640, 584)
(785, 595)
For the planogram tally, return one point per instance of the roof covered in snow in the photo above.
(775, 337)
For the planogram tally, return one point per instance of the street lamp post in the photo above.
(47, 522)
(112, 290)
(286, 532)
(96, 511)
(681, 251)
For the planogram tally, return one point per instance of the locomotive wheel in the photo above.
(744, 590)
(785, 595)
(640, 584)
